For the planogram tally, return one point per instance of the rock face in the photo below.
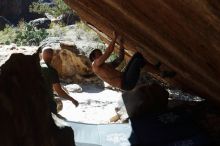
(24, 106)
(183, 35)
(71, 63)
(14, 10)
(69, 18)
(41, 23)
(71, 56)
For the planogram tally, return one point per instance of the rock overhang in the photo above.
(183, 35)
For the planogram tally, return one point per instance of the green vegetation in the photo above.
(24, 34)
(91, 34)
(29, 35)
(83, 26)
(56, 30)
(8, 35)
(59, 8)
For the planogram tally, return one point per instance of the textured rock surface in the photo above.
(68, 18)
(24, 106)
(72, 60)
(183, 35)
(41, 23)
(71, 64)
(14, 10)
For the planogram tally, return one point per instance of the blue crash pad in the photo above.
(101, 134)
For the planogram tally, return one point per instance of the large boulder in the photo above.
(182, 34)
(54, 42)
(69, 18)
(71, 56)
(41, 23)
(71, 63)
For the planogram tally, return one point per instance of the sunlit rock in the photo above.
(70, 64)
(183, 35)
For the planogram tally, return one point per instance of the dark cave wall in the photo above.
(14, 10)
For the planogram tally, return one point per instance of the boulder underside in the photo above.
(183, 35)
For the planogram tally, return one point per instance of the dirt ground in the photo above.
(96, 105)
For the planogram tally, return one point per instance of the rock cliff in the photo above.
(183, 35)
(14, 10)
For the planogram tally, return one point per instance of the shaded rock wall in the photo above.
(183, 35)
(3, 23)
(14, 10)
(24, 106)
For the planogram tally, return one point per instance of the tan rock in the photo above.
(115, 118)
(70, 64)
(183, 34)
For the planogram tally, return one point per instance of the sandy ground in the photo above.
(7, 50)
(96, 105)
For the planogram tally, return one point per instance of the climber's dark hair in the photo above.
(92, 54)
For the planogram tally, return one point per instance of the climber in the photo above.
(52, 79)
(107, 71)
